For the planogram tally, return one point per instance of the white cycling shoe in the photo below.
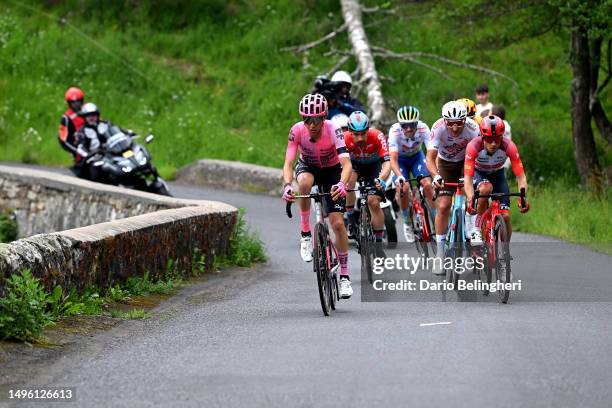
(306, 249)
(346, 291)
(476, 238)
(408, 233)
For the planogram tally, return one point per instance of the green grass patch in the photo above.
(570, 213)
(245, 249)
(131, 314)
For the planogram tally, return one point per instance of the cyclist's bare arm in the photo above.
(288, 171)
(345, 177)
(430, 162)
(386, 170)
(395, 163)
(468, 187)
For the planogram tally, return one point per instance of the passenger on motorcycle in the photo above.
(324, 160)
(71, 122)
(484, 169)
(91, 139)
(370, 159)
(406, 139)
(342, 101)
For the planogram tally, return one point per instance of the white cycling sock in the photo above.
(440, 241)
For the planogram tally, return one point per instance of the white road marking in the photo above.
(433, 324)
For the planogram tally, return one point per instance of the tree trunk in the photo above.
(351, 10)
(582, 133)
(597, 111)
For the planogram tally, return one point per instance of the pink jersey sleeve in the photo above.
(513, 155)
(292, 144)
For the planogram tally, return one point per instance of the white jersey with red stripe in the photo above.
(451, 148)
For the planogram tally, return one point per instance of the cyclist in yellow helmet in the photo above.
(470, 106)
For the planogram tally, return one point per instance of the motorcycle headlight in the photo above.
(126, 169)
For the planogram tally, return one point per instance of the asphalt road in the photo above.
(263, 341)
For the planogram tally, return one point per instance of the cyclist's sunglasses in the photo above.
(454, 123)
(313, 120)
(491, 139)
(406, 126)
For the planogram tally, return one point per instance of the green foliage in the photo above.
(23, 310)
(117, 294)
(138, 286)
(245, 249)
(8, 226)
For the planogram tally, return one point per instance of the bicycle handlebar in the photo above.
(437, 190)
(498, 196)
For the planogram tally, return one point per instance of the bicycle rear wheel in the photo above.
(320, 267)
(431, 234)
(417, 228)
(365, 244)
(502, 258)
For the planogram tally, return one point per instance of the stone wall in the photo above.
(233, 176)
(102, 254)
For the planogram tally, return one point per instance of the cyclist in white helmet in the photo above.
(449, 137)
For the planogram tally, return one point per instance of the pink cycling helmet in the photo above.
(313, 105)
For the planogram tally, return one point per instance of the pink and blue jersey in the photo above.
(325, 152)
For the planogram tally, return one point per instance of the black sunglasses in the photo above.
(409, 125)
(313, 120)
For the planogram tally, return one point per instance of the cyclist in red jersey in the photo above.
(324, 160)
(370, 159)
(484, 168)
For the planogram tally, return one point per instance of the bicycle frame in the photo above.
(457, 204)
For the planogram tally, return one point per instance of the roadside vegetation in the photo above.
(27, 308)
(210, 81)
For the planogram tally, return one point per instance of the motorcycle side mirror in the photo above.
(149, 138)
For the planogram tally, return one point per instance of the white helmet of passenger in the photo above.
(454, 110)
(340, 120)
(89, 109)
(342, 76)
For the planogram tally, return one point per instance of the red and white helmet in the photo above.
(492, 126)
(313, 105)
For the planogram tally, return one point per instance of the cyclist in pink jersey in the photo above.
(324, 161)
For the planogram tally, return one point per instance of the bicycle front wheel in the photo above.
(502, 258)
(320, 267)
(365, 239)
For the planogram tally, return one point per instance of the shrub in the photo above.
(23, 310)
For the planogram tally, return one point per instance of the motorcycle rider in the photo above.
(91, 139)
(71, 122)
(339, 98)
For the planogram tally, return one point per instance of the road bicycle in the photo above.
(420, 218)
(365, 238)
(456, 245)
(325, 256)
(496, 243)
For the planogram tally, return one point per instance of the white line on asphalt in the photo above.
(433, 324)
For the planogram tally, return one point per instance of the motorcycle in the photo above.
(124, 163)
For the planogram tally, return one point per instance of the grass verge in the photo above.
(570, 213)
